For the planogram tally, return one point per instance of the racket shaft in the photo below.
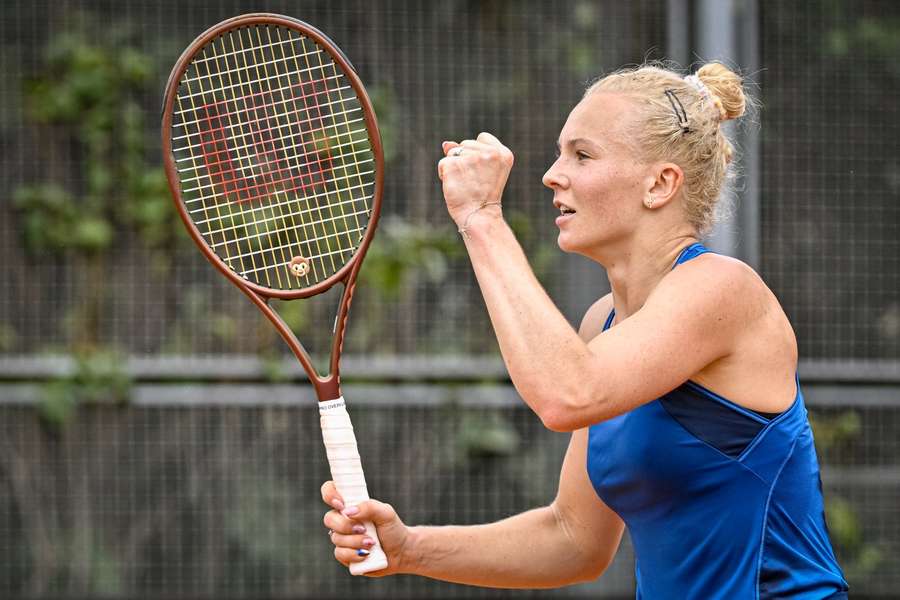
(347, 473)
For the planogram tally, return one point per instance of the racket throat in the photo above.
(329, 389)
(326, 382)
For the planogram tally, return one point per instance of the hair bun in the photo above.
(726, 88)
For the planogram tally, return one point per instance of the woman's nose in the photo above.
(553, 178)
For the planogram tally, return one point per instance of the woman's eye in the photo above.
(581, 155)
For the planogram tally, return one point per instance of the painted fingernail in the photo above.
(359, 529)
(362, 552)
(350, 511)
(368, 542)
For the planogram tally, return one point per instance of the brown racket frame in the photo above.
(327, 387)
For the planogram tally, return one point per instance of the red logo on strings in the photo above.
(255, 146)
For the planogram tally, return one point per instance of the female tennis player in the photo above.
(680, 389)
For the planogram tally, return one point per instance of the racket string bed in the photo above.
(281, 153)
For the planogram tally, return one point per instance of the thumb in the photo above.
(371, 510)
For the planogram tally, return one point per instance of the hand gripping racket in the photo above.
(274, 159)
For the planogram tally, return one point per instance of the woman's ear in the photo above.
(665, 187)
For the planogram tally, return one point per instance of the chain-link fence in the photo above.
(131, 469)
(125, 277)
(831, 174)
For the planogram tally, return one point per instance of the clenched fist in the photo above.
(473, 174)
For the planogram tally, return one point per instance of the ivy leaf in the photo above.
(92, 234)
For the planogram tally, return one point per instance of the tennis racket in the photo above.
(275, 163)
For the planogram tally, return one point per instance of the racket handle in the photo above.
(347, 473)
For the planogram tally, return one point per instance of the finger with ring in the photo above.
(457, 151)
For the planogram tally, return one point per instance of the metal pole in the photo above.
(749, 245)
(678, 31)
(716, 41)
(728, 31)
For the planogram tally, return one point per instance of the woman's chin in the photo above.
(572, 245)
(565, 243)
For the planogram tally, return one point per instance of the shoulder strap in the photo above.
(609, 319)
(692, 251)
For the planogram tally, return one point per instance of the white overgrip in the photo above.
(347, 473)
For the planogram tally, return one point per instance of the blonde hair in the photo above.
(680, 122)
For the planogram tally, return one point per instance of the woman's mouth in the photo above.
(566, 213)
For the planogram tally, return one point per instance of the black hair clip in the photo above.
(679, 111)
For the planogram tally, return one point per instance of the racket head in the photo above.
(273, 155)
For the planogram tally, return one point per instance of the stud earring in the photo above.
(649, 201)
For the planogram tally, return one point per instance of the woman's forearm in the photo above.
(528, 550)
(535, 338)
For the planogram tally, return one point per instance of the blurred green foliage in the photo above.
(85, 105)
(402, 250)
(52, 222)
(834, 430)
(865, 38)
(81, 562)
(198, 317)
(87, 93)
(250, 527)
(486, 435)
(97, 377)
(544, 255)
(384, 101)
(402, 253)
(8, 337)
(858, 556)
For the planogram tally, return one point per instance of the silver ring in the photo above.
(330, 532)
(457, 151)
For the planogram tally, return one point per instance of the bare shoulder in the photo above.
(595, 317)
(739, 290)
(720, 285)
(728, 301)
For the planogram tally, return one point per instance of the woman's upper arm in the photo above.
(593, 529)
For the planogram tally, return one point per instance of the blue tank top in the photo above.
(720, 502)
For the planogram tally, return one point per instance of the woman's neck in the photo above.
(635, 271)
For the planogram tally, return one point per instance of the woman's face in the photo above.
(598, 182)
